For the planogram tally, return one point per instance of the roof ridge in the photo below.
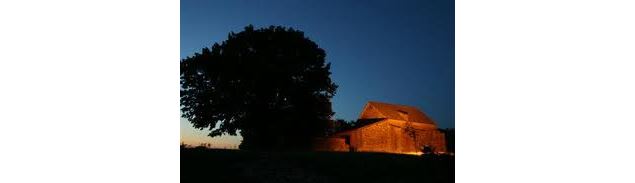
(392, 111)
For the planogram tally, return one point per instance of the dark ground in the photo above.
(217, 165)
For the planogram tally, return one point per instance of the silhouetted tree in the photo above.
(271, 84)
(449, 139)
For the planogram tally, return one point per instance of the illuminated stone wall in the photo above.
(387, 136)
(377, 137)
(433, 138)
(330, 144)
(390, 136)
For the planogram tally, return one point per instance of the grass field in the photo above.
(216, 165)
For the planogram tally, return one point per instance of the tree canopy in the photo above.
(272, 85)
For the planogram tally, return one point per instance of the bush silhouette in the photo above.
(271, 85)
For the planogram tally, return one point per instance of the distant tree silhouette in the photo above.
(272, 85)
(449, 139)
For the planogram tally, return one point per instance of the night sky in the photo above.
(390, 51)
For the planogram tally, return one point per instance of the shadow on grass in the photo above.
(219, 165)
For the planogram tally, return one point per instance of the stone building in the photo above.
(388, 128)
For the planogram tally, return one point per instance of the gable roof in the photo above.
(375, 109)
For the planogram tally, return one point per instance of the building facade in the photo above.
(387, 128)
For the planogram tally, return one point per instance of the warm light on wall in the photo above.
(414, 153)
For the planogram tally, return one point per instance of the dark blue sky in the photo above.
(391, 51)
